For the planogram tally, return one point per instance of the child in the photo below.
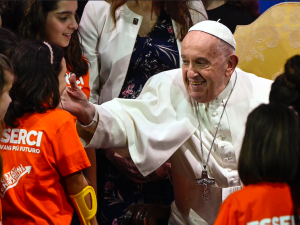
(269, 167)
(6, 80)
(56, 22)
(40, 147)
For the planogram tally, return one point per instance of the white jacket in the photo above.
(108, 48)
(162, 124)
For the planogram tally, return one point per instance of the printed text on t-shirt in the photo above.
(21, 137)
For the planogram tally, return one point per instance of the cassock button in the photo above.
(226, 159)
(221, 138)
(214, 114)
(229, 170)
(135, 21)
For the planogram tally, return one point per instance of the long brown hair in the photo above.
(177, 10)
(33, 27)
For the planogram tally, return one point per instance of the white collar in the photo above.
(224, 94)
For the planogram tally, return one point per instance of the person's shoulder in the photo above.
(195, 5)
(254, 78)
(197, 9)
(58, 117)
(240, 196)
(98, 6)
(168, 75)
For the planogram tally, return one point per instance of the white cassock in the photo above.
(161, 124)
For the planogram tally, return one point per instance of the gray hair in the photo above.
(224, 48)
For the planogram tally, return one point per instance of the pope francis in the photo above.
(193, 117)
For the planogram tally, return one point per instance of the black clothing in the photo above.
(230, 16)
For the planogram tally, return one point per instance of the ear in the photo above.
(231, 64)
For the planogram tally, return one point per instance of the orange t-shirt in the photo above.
(82, 82)
(36, 156)
(263, 203)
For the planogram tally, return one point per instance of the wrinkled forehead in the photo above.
(194, 37)
(198, 41)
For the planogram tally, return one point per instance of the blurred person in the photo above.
(269, 167)
(232, 13)
(286, 87)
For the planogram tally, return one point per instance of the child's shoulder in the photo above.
(59, 116)
(54, 118)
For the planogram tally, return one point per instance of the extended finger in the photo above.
(73, 82)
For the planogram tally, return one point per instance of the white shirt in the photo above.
(161, 124)
(108, 48)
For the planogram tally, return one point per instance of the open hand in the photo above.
(75, 102)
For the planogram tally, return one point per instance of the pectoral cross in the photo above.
(205, 181)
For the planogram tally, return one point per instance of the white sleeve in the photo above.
(153, 126)
(90, 28)
(198, 12)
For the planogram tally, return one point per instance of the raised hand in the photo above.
(75, 102)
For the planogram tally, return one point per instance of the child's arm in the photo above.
(76, 182)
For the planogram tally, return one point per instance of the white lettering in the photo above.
(293, 220)
(275, 220)
(32, 132)
(80, 81)
(253, 223)
(68, 77)
(6, 135)
(22, 136)
(285, 220)
(13, 135)
(7, 147)
(266, 221)
(39, 138)
(282, 220)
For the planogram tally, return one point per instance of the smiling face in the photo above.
(206, 71)
(61, 23)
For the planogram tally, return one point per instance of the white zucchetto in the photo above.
(216, 29)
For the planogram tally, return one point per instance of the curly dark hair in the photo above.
(36, 87)
(33, 26)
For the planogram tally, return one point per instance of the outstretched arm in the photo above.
(75, 102)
